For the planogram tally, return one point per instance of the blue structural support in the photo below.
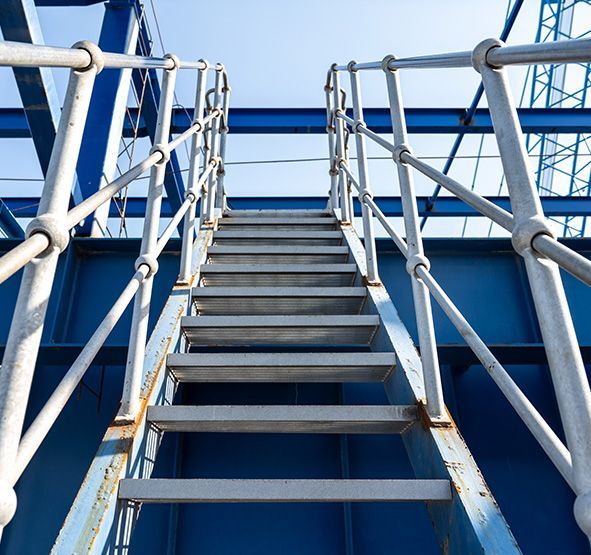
(302, 121)
(99, 153)
(390, 206)
(19, 22)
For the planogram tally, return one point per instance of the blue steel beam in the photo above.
(13, 122)
(25, 207)
(66, 3)
(99, 152)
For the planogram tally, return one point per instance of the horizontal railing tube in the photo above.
(556, 52)
(19, 54)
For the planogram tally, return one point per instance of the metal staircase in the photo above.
(287, 296)
(294, 307)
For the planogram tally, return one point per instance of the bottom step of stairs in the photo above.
(162, 490)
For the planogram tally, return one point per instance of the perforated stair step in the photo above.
(281, 367)
(280, 330)
(279, 213)
(273, 254)
(278, 223)
(279, 275)
(263, 237)
(278, 300)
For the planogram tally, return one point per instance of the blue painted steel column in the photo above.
(102, 137)
(19, 22)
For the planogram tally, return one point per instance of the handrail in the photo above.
(564, 51)
(531, 234)
(48, 235)
(37, 242)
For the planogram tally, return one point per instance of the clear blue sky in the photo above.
(277, 54)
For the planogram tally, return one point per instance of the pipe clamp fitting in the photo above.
(386, 62)
(199, 124)
(190, 196)
(363, 195)
(176, 63)
(53, 228)
(417, 260)
(357, 126)
(150, 261)
(97, 58)
(351, 66)
(525, 232)
(480, 53)
(163, 150)
(399, 150)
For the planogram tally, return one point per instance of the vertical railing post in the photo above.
(368, 232)
(416, 255)
(22, 346)
(340, 150)
(141, 309)
(214, 144)
(562, 350)
(224, 129)
(330, 134)
(189, 223)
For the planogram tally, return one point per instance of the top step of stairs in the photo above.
(305, 213)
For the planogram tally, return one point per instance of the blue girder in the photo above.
(13, 122)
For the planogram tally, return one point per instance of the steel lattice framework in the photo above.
(564, 161)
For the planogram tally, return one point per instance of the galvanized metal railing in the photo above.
(49, 233)
(532, 238)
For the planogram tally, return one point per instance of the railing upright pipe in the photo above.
(330, 134)
(214, 145)
(564, 357)
(224, 129)
(416, 254)
(141, 309)
(368, 231)
(340, 150)
(22, 346)
(189, 223)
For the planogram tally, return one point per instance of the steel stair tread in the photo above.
(311, 275)
(278, 237)
(300, 254)
(281, 367)
(278, 213)
(215, 300)
(179, 490)
(280, 330)
(327, 419)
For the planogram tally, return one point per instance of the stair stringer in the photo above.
(472, 522)
(97, 521)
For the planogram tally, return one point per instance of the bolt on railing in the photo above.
(531, 234)
(49, 233)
